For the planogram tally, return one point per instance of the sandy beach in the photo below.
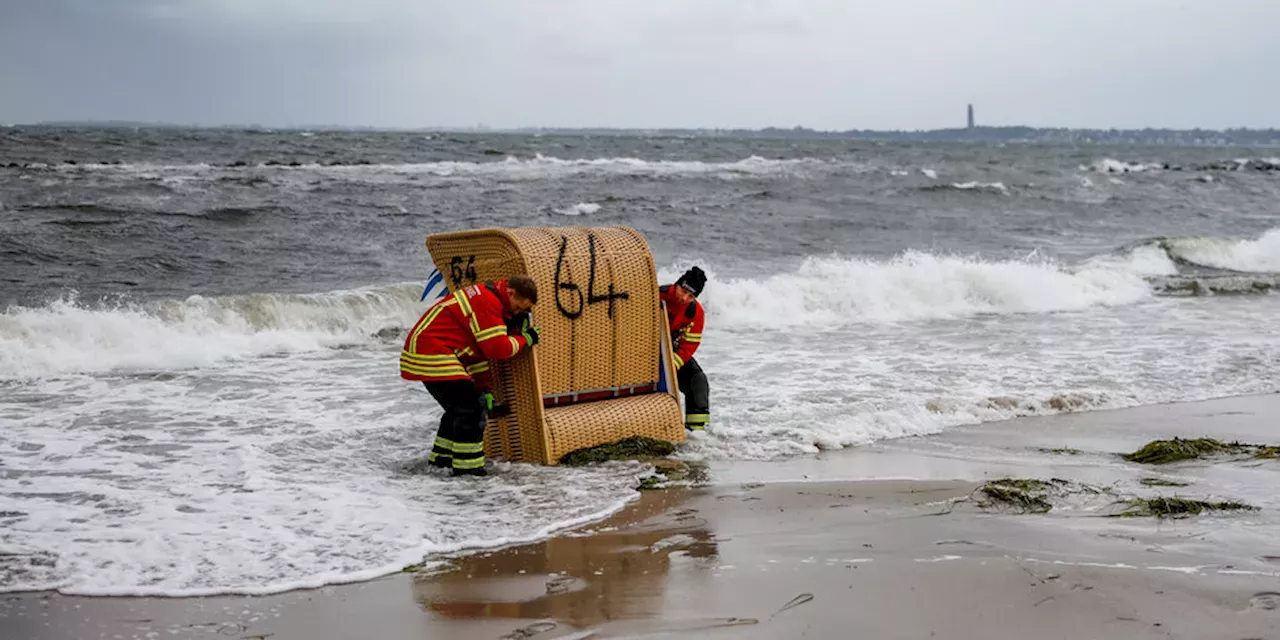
(881, 541)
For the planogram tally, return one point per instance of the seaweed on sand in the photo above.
(1062, 451)
(633, 448)
(1162, 507)
(1026, 495)
(666, 471)
(1178, 449)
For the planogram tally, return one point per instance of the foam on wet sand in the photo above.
(822, 556)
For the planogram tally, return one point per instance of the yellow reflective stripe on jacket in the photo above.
(449, 372)
(426, 322)
(431, 366)
(491, 332)
(675, 358)
(479, 367)
(429, 359)
(461, 296)
(433, 371)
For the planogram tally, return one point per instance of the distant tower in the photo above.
(971, 116)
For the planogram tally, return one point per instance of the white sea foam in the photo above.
(841, 352)
(833, 291)
(582, 208)
(1260, 254)
(235, 470)
(1145, 260)
(282, 474)
(981, 186)
(67, 336)
(511, 167)
(1109, 165)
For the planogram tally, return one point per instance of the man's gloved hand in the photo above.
(518, 322)
(486, 401)
(531, 334)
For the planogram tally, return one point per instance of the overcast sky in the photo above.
(828, 64)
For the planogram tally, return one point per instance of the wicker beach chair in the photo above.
(603, 370)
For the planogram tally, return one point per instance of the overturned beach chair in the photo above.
(602, 370)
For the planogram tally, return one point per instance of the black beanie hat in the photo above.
(693, 279)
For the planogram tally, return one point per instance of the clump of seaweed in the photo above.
(1162, 507)
(679, 471)
(1178, 449)
(673, 472)
(633, 448)
(637, 448)
(1062, 451)
(1022, 484)
(1031, 495)
(1159, 482)
(1026, 495)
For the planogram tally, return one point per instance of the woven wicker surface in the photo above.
(669, 367)
(595, 318)
(465, 258)
(602, 327)
(656, 415)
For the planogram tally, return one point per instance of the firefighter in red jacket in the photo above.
(449, 350)
(685, 315)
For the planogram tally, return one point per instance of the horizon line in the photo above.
(481, 128)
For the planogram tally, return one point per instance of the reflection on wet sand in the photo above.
(616, 574)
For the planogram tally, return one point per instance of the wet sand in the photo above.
(822, 558)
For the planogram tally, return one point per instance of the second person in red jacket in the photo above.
(685, 314)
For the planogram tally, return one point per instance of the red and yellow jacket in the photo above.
(458, 336)
(686, 326)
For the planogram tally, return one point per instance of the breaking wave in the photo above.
(67, 336)
(827, 291)
(992, 187)
(538, 166)
(1255, 255)
(582, 208)
(1111, 165)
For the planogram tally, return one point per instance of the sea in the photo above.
(199, 329)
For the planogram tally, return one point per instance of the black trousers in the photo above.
(460, 440)
(697, 395)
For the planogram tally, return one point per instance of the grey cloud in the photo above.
(823, 63)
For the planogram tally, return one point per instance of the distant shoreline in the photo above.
(988, 134)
